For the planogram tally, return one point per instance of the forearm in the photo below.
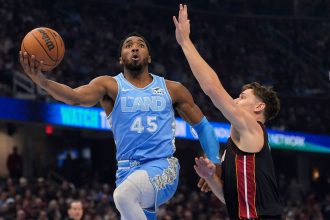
(216, 186)
(210, 83)
(60, 92)
(204, 74)
(208, 140)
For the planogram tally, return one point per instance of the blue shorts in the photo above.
(163, 174)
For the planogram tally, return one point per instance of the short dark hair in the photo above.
(74, 201)
(135, 34)
(268, 96)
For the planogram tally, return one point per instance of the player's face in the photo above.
(249, 101)
(76, 211)
(134, 54)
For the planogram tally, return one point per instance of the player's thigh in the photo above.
(141, 180)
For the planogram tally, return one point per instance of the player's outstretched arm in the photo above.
(207, 77)
(87, 95)
(206, 170)
(190, 112)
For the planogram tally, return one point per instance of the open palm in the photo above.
(182, 24)
(204, 168)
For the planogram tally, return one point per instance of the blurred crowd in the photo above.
(288, 53)
(46, 199)
(43, 199)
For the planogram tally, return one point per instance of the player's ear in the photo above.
(120, 61)
(149, 59)
(260, 106)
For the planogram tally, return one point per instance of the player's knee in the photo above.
(124, 195)
(119, 197)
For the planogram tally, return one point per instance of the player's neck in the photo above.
(260, 118)
(138, 79)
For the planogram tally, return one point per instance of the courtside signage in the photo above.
(95, 118)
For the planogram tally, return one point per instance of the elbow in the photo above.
(72, 101)
(69, 102)
(208, 89)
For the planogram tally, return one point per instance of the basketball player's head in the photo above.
(75, 210)
(134, 52)
(259, 100)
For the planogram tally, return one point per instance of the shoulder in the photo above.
(250, 140)
(174, 86)
(179, 93)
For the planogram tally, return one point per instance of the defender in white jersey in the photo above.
(139, 106)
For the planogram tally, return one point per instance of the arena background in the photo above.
(284, 44)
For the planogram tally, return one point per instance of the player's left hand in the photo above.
(205, 168)
(182, 25)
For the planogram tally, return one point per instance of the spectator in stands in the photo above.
(75, 211)
(15, 164)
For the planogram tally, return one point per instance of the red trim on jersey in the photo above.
(246, 186)
(237, 187)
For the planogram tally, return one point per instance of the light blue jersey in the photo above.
(142, 121)
(143, 125)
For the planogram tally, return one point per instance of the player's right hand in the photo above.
(31, 67)
(182, 25)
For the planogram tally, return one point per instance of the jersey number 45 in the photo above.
(151, 125)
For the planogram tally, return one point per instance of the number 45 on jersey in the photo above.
(137, 125)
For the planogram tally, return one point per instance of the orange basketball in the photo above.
(46, 44)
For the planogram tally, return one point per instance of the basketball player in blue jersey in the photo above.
(139, 106)
(247, 184)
